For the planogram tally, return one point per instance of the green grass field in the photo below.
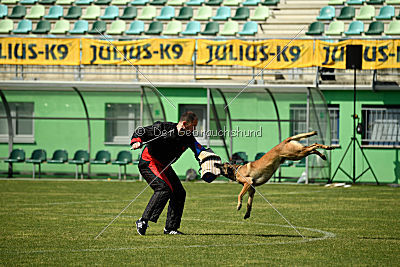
(56, 222)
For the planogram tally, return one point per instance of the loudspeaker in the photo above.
(354, 57)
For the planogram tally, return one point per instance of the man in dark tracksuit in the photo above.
(166, 141)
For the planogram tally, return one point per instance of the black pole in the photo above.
(354, 127)
(10, 131)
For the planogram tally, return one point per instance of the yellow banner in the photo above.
(39, 51)
(140, 52)
(269, 54)
(376, 54)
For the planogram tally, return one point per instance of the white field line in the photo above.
(325, 235)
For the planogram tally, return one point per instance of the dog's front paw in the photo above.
(239, 206)
(247, 215)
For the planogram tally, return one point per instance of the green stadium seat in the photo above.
(192, 28)
(393, 2)
(148, 13)
(251, 2)
(242, 13)
(80, 27)
(261, 13)
(336, 2)
(27, 2)
(214, 2)
(36, 12)
(102, 157)
(102, 2)
(98, 26)
(91, 12)
(60, 156)
(375, 28)
(394, 28)
(136, 28)
(17, 155)
(167, 13)
(155, 28)
(130, 13)
(250, 28)
(18, 12)
(366, 13)
(123, 158)
(64, 2)
(203, 13)
(9, 2)
(231, 2)
(326, 13)
(42, 27)
(335, 28)
(355, 2)
(173, 27)
(158, 2)
(301, 163)
(74, 12)
(55, 12)
(185, 13)
(259, 155)
(212, 28)
(347, 13)
(386, 13)
(117, 27)
(24, 27)
(176, 2)
(83, 2)
(239, 158)
(316, 28)
(139, 2)
(37, 158)
(3, 11)
(270, 2)
(120, 2)
(287, 163)
(355, 28)
(375, 2)
(223, 13)
(47, 2)
(61, 27)
(81, 157)
(110, 13)
(230, 28)
(194, 2)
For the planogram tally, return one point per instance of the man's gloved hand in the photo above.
(136, 145)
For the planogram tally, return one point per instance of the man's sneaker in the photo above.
(172, 232)
(141, 226)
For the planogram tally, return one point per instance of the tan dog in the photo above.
(260, 171)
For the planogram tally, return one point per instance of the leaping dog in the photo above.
(260, 171)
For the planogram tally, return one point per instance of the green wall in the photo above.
(72, 134)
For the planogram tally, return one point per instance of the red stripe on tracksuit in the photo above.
(157, 167)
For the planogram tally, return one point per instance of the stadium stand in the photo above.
(36, 12)
(80, 27)
(173, 28)
(98, 27)
(24, 27)
(61, 27)
(192, 28)
(223, 13)
(185, 13)
(203, 13)
(18, 12)
(250, 28)
(347, 13)
(355, 28)
(335, 28)
(3, 11)
(55, 12)
(386, 13)
(212, 28)
(393, 28)
(155, 28)
(136, 28)
(375, 28)
(74, 12)
(130, 13)
(117, 27)
(230, 28)
(42, 27)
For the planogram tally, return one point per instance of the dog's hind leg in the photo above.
(301, 136)
(245, 188)
(252, 190)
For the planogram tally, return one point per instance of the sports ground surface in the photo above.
(56, 222)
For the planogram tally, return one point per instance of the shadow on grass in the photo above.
(258, 235)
